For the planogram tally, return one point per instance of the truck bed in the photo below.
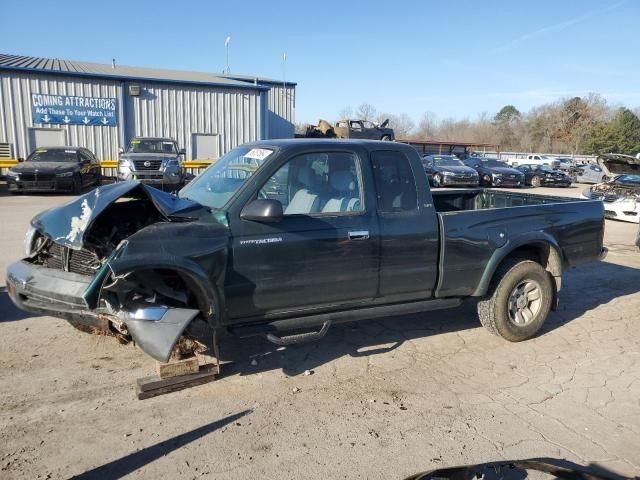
(477, 227)
(481, 199)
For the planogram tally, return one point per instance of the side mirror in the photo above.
(263, 210)
(20, 159)
(121, 150)
(182, 151)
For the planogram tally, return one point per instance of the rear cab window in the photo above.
(395, 182)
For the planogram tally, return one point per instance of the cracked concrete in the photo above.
(386, 398)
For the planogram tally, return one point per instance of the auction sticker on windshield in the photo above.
(258, 153)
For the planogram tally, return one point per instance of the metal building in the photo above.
(46, 102)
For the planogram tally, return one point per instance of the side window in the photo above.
(395, 185)
(356, 126)
(317, 183)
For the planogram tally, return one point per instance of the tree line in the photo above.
(579, 125)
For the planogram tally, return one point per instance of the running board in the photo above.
(314, 321)
(299, 337)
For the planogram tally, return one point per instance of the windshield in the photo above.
(152, 146)
(45, 155)
(447, 162)
(494, 163)
(217, 184)
(545, 168)
(628, 179)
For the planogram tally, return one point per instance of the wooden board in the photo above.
(177, 368)
(148, 387)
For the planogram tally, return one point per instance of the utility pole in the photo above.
(226, 46)
(284, 70)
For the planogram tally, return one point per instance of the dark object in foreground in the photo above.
(517, 470)
(55, 169)
(282, 239)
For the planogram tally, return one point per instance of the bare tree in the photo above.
(346, 113)
(366, 111)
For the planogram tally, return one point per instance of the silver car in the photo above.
(151, 160)
(590, 173)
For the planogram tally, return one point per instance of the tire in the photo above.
(535, 181)
(386, 138)
(605, 179)
(502, 314)
(437, 180)
(77, 185)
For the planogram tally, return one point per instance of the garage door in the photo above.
(205, 146)
(46, 137)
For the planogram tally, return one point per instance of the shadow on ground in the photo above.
(134, 461)
(8, 311)
(583, 289)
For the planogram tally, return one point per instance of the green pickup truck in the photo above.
(284, 238)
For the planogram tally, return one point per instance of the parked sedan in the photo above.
(448, 170)
(539, 175)
(494, 173)
(54, 169)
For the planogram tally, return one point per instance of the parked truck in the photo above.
(284, 238)
(349, 128)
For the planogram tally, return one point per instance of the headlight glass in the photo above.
(173, 163)
(65, 174)
(124, 163)
(497, 175)
(12, 174)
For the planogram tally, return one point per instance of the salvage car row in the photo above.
(154, 161)
(448, 170)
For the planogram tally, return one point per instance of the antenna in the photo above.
(113, 63)
(226, 46)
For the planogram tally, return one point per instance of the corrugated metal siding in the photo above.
(15, 111)
(281, 106)
(162, 110)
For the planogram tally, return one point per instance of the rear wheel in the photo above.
(535, 181)
(605, 178)
(518, 301)
(386, 138)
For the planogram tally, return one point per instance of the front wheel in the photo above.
(535, 181)
(518, 301)
(386, 138)
(437, 180)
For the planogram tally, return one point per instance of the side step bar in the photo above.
(270, 328)
(300, 337)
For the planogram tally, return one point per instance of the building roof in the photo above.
(122, 72)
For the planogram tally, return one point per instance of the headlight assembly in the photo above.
(65, 174)
(28, 241)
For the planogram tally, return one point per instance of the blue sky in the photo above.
(453, 58)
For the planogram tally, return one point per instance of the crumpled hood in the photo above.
(44, 167)
(454, 169)
(618, 164)
(68, 224)
(148, 156)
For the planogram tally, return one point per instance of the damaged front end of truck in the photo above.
(129, 261)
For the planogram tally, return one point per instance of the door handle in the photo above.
(359, 235)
